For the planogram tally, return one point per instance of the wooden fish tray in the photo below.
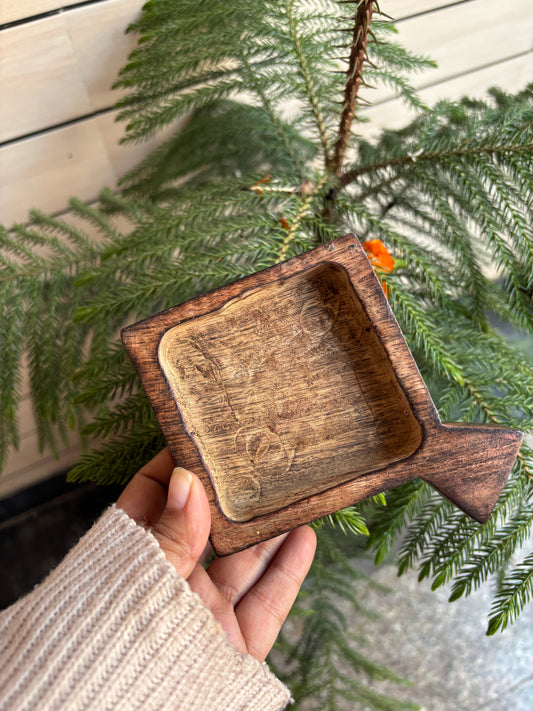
(292, 394)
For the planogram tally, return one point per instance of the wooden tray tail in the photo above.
(480, 459)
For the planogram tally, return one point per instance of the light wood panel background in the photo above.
(58, 135)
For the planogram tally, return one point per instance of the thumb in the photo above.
(183, 528)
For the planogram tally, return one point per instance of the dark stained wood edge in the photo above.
(447, 457)
(475, 462)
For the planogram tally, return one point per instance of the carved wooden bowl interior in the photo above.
(293, 394)
(286, 390)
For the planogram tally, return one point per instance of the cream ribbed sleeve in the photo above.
(115, 627)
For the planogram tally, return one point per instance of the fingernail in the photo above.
(179, 488)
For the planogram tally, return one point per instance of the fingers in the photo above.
(264, 608)
(234, 575)
(250, 592)
(183, 527)
(228, 579)
(145, 496)
(221, 608)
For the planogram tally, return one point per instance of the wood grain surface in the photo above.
(284, 383)
(292, 394)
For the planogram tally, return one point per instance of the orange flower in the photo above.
(379, 255)
(380, 258)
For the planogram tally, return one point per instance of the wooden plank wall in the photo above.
(58, 135)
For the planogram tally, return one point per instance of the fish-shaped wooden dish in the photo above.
(292, 394)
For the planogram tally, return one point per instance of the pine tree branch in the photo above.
(363, 18)
(515, 591)
(299, 217)
(306, 75)
(273, 116)
(491, 415)
(351, 175)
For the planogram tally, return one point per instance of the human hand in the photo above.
(251, 592)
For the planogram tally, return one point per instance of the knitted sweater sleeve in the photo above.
(115, 627)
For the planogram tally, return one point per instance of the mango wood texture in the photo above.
(292, 394)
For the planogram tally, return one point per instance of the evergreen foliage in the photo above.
(324, 667)
(266, 162)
